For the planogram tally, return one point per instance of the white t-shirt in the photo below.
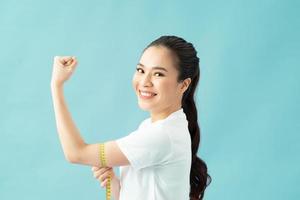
(160, 160)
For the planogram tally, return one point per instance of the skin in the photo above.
(167, 100)
(164, 84)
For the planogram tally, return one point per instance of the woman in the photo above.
(159, 160)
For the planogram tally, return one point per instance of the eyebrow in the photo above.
(155, 67)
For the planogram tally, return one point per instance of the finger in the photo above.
(99, 172)
(61, 61)
(64, 60)
(95, 168)
(69, 62)
(73, 63)
(103, 175)
(103, 183)
(72, 59)
(57, 60)
(103, 169)
(71, 68)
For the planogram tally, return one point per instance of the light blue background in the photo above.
(248, 96)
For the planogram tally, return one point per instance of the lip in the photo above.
(145, 97)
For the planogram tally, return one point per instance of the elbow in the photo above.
(75, 156)
(71, 158)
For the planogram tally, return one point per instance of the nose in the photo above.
(146, 80)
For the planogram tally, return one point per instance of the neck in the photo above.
(162, 114)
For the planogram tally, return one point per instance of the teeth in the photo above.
(147, 94)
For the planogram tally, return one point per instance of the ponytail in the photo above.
(199, 178)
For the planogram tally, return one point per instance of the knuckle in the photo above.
(102, 178)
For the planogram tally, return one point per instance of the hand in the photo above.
(102, 174)
(63, 67)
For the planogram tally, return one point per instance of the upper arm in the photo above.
(90, 155)
(139, 149)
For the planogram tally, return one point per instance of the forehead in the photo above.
(158, 56)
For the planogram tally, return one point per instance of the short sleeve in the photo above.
(146, 147)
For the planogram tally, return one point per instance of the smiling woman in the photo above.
(163, 145)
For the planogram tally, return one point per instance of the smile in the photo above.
(146, 95)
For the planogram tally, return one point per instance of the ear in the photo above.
(185, 84)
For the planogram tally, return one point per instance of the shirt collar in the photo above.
(178, 113)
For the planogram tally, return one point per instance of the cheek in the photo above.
(134, 82)
(167, 89)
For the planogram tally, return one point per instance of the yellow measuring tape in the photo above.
(103, 164)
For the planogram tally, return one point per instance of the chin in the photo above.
(145, 106)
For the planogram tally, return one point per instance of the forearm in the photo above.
(69, 135)
(115, 188)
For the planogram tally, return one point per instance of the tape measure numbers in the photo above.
(103, 164)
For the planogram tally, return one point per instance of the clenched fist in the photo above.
(63, 67)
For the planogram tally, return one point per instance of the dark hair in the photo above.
(187, 64)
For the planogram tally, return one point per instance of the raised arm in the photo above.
(74, 147)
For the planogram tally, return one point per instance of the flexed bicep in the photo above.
(90, 155)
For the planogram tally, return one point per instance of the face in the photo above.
(155, 81)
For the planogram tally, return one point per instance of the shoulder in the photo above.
(144, 123)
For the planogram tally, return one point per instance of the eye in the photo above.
(141, 70)
(137, 69)
(160, 74)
